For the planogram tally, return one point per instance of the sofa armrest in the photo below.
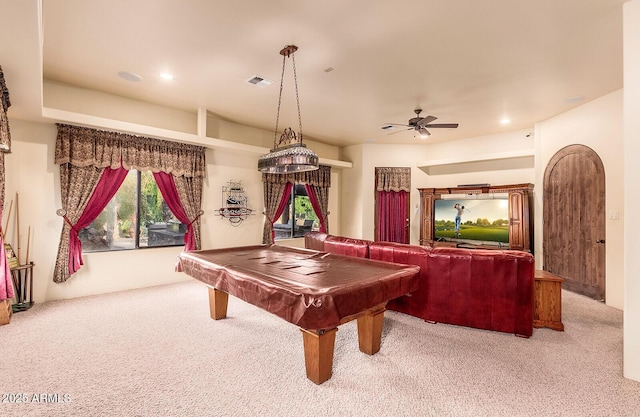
(414, 303)
(315, 240)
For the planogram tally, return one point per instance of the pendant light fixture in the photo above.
(289, 154)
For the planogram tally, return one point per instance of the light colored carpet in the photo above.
(156, 352)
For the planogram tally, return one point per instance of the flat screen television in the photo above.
(472, 220)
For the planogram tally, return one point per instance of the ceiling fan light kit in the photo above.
(289, 154)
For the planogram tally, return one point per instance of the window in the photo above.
(299, 214)
(136, 217)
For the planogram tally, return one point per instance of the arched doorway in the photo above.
(574, 220)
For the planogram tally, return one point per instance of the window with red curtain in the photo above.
(80, 170)
(307, 207)
(300, 215)
(277, 225)
(137, 216)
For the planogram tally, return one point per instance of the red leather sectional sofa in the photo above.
(484, 289)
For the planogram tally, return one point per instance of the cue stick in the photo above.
(26, 261)
(4, 231)
(28, 273)
(18, 227)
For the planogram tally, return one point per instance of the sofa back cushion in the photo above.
(485, 289)
(347, 246)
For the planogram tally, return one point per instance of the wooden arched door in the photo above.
(574, 220)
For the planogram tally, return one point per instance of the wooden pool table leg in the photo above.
(218, 301)
(370, 331)
(318, 353)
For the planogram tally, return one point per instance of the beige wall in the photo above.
(352, 194)
(223, 129)
(631, 146)
(96, 103)
(112, 107)
(598, 125)
(351, 199)
(358, 196)
(31, 172)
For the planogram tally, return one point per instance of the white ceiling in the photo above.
(471, 62)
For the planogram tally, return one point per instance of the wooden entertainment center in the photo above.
(520, 198)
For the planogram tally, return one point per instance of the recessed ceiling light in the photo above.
(166, 76)
(505, 121)
(129, 76)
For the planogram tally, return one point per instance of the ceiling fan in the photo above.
(420, 124)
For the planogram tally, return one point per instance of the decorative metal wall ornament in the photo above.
(234, 202)
(289, 154)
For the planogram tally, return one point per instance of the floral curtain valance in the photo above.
(393, 179)
(5, 134)
(320, 177)
(83, 147)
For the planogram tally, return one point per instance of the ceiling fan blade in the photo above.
(398, 131)
(424, 133)
(426, 120)
(445, 125)
(397, 124)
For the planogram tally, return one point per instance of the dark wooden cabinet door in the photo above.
(574, 220)
(516, 229)
(426, 219)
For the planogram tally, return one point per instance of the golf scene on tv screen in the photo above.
(485, 220)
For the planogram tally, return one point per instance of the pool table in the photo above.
(316, 291)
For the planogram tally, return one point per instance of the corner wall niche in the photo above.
(500, 161)
(520, 204)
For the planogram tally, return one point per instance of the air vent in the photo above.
(259, 81)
